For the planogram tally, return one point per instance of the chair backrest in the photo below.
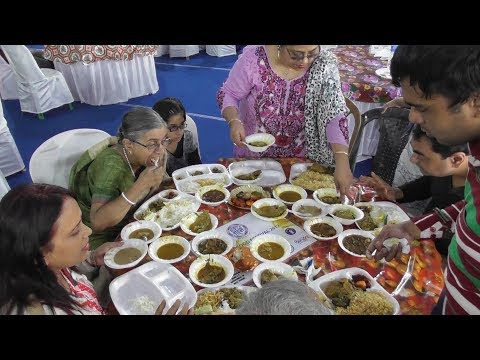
(394, 135)
(23, 63)
(52, 161)
(355, 139)
(192, 127)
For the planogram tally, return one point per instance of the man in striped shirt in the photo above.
(441, 84)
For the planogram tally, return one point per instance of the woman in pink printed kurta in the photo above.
(293, 94)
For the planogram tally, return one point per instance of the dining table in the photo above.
(420, 271)
(106, 74)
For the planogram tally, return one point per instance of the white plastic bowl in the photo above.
(356, 211)
(280, 240)
(349, 232)
(190, 219)
(153, 248)
(200, 192)
(327, 220)
(277, 267)
(308, 202)
(210, 235)
(217, 260)
(264, 137)
(141, 224)
(278, 190)
(268, 202)
(109, 257)
(317, 194)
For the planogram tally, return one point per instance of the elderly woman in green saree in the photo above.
(114, 177)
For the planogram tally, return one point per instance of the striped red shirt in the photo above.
(462, 275)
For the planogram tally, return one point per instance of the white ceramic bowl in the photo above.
(279, 189)
(268, 202)
(190, 219)
(327, 220)
(153, 248)
(308, 202)
(346, 233)
(319, 193)
(164, 195)
(217, 260)
(263, 137)
(356, 211)
(200, 192)
(141, 224)
(277, 267)
(210, 235)
(243, 170)
(262, 239)
(109, 257)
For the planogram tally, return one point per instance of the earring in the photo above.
(130, 152)
(278, 51)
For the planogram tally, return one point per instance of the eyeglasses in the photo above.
(299, 56)
(154, 146)
(173, 128)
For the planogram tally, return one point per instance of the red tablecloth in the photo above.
(357, 72)
(69, 54)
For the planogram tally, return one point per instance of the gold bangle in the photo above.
(234, 119)
(341, 152)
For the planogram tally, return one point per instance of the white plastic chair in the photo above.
(10, 158)
(8, 81)
(39, 90)
(192, 127)
(4, 187)
(52, 161)
(221, 50)
(183, 50)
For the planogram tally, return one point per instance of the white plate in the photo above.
(327, 220)
(268, 202)
(277, 190)
(280, 240)
(395, 213)
(141, 224)
(277, 267)
(384, 73)
(157, 197)
(190, 219)
(272, 171)
(320, 283)
(217, 260)
(209, 235)
(109, 257)
(349, 232)
(244, 170)
(224, 308)
(151, 282)
(153, 248)
(297, 169)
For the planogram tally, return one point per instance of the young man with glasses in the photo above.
(294, 93)
(183, 149)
